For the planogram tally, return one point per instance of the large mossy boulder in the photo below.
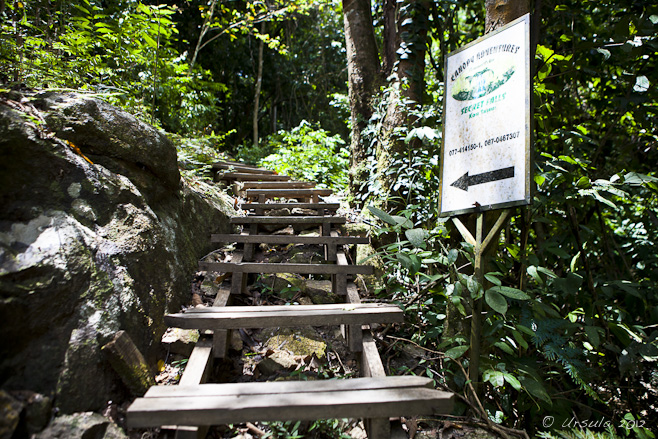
(98, 233)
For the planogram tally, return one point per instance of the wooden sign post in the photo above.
(486, 161)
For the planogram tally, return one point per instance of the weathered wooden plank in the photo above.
(255, 267)
(354, 332)
(242, 168)
(215, 410)
(250, 176)
(371, 362)
(235, 317)
(233, 162)
(196, 370)
(220, 339)
(288, 192)
(258, 219)
(288, 239)
(347, 307)
(266, 206)
(289, 387)
(277, 185)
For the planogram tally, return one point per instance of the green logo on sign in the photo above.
(480, 83)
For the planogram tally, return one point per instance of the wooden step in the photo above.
(233, 162)
(241, 168)
(288, 193)
(260, 219)
(255, 267)
(267, 206)
(246, 176)
(236, 317)
(277, 185)
(216, 404)
(288, 239)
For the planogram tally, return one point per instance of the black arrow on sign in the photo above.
(465, 181)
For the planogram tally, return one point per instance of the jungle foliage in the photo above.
(571, 297)
(571, 302)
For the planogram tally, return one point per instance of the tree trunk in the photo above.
(390, 36)
(408, 90)
(501, 12)
(364, 79)
(259, 83)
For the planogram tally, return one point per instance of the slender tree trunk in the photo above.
(364, 79)
(205, 27)
(259, 84)
(411, 20)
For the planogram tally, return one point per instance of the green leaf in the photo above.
(512, 293)
(504, 347)
(593, 335)
(495, 377)
(493, 279)
(512, 380)
(574, 262)
(496, 301)
(456, 352)
(405, 261)
(402, 221)
(151, 42)
(547, 272)
(382, 215)
(519, 339)
(416, 237)
(532, 271)
(535, 388)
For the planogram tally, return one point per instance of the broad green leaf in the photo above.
(520, 340)
(382, 215)
(495, 377)
(452, 256)
(402, 221)
(512, 293)
(416, 237)
(493, 279)
(547, 272)
(504, 347)
(456, 352)
(151, 42)
(404, 260)
(593, 335)
(535, 389)
(512, 380)
(415, 264)
(532, 271)
(496, 301)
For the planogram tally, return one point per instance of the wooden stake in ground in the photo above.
(129, 363)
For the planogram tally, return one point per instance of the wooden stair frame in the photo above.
(374, 397)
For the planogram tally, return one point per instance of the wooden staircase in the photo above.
(193, 405)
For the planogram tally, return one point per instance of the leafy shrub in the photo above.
(311, 154)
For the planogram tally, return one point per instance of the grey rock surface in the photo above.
(82, 426)
(98, 233)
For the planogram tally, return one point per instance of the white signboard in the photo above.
(486, 134)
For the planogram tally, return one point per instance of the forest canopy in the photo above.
(571, 295)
